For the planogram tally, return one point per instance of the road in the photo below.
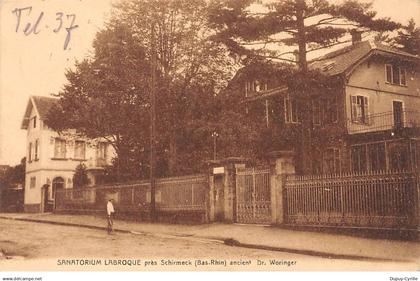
(27, 243)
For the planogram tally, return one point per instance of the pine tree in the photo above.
(283, 27)
(408, 38)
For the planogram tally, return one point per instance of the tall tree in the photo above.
(107, 94)
(190, 65)
(280, 28)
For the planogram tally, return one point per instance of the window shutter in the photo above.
(30, 152)
(402, 76)
(52, 148)
(63, 148)
(353, 102)
(57, 148)
(366, 109)
(388, 70)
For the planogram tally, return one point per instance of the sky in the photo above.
(34, 64)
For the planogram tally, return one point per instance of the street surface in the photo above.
(26, 242)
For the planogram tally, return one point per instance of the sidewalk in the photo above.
(251, 236)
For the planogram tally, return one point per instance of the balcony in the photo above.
(97, 163)
(385, 121)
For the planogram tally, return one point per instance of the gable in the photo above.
(41, 106)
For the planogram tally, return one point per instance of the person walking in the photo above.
(110, 212)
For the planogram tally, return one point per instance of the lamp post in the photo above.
(214, 135)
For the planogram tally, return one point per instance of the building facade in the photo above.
(366, 119)
(53, 157)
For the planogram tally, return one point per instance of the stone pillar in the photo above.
(281, 164)
(211, 193)
(231, 164)
(222, 188)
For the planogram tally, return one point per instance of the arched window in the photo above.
(57, 184)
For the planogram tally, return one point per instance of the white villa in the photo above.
(52, 157)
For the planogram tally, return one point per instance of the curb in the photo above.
(226, 241)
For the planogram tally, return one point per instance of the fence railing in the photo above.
(172, 194)
(378, 200)
(385, 121)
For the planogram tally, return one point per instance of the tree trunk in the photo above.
(301, 36)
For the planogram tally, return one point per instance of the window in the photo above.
(331, 161)
(358, 158)
(32, 182)
(331, 113)
(395, 75)
(254, 86)
(36, 154)
(30, 152)
(34, 121)
(359, 109)
(102, 150)
(316, 161)
(80, 150)
(376, 152)
(291, 110)
(316, 112)
(60, 148)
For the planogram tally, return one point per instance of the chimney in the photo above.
(356, 36)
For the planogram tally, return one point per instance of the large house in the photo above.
(368, 119)
(53, 157)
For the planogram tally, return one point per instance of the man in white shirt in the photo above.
(110, 211)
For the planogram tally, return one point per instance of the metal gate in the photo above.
(253, 196)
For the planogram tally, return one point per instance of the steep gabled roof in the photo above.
(41, 104)
(344, 59)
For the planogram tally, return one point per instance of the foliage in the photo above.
(80, 177)
(408, 38)
(14, 176)
(107, 94)
(280, 28)
(192, 69)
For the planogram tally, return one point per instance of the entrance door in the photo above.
(253, 196)
(398, 114)
(47, 204)
(57, 185)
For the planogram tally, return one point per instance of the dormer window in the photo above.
(34, 121)
(255, 86)
(395, 75)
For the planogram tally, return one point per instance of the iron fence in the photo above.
(186, 193)
(371, 199)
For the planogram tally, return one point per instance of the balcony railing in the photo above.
(96, 163)
(385, 121)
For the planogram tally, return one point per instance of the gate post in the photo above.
(211, 198)
(222, 196)
(231, 164)
(281, 164)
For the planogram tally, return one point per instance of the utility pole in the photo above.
(153, 125)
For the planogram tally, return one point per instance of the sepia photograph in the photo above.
(210, 135)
